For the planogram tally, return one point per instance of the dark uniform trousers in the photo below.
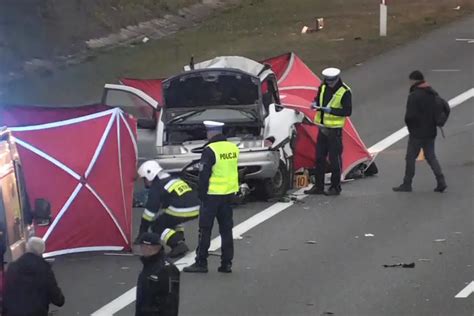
(215, 206)
(164, 221)
(413, 149)
(329, 143)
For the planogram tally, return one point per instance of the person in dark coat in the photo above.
(158, 282)
(30, 284)
(421, 124)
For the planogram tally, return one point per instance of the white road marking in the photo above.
(446, 70)
(403, 132)
(129, 297)
(468, 290)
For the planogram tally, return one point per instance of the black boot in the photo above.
(314, 190)
(333, 191)
(180, 249)
(402, 188)
(441, 185)
(196, 268)
(225, 268)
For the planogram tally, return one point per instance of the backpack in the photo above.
(442, 111)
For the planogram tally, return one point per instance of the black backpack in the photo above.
(442, 111)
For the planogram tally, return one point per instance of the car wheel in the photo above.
(276, 186)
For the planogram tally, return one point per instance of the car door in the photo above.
(146, 111)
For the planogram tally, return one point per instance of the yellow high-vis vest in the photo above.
(329, 120)
(225, 173)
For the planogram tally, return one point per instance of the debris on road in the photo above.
(145, 40)
(457, 233)
(440, 240)
(424, 260)
(400, 265)
(356, 237)
(327, 313)
(336, 39)
(319, 25)
(369, 235)
(311, 242)
(457, 8)
(125, 268)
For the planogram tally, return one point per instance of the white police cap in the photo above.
(331, 72)
(213, 124)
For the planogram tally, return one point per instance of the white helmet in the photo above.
(149, 170)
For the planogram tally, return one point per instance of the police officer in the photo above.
(218, 182)
(179, 201)
(158, 282)
(333, 104)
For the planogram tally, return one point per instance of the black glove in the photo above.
(144, 226)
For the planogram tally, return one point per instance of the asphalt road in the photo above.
(276, 272)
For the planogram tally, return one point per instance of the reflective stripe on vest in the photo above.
(225, 172)
(178, 186)
(329, 120)
(183, 211)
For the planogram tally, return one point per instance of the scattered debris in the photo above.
(319, 25)
(457, 8)
(369, 235)
(145, 40)
(424, 260)
(457, 233)
(440, 240)
(356, 237)
(336, 39)
(400, 265)
(359, 64)
(440, 253)
(311, 242)
(125, 268)
(327, 313)
(358, 38)
(306, 208)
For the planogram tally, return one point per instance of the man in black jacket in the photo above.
(158, 282)
(421, 124)
(30, 284)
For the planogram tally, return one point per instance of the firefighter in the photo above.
(178, 202)
(333, 104)
(218, 183)
(158, 282)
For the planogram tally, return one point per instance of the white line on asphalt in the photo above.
(129, 297)
(403, 132)
(446, 70)
(465, 292)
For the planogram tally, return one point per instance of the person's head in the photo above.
(213, 128)
(150, 244)
(331, 76)
(149, 170)
(416, 77)
(35, 245)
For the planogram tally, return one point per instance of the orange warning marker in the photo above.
(421, 156)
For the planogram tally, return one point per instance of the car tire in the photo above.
(276, 186)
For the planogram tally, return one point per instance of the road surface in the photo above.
(276, 270)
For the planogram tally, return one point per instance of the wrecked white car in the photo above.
(235, 90)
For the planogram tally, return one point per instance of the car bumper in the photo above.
(258, 164)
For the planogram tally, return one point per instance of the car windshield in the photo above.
(220, 115)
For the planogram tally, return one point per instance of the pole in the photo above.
(383, 18)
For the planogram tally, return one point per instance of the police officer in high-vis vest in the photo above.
(218, 183)
(333, 104)
(177, 200)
